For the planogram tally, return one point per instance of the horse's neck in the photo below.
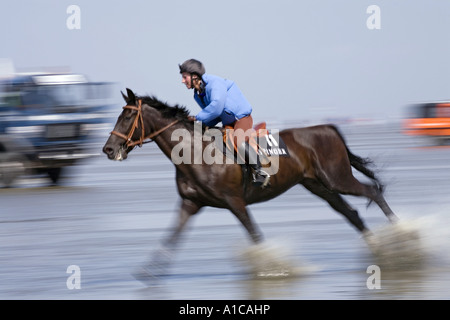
(170, 138)
(182, 144)
(163, 139)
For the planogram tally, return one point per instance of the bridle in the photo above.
(139, 118)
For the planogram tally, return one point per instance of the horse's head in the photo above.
(133, 127)
(128, 129)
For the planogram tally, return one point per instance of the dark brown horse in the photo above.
(319, 160)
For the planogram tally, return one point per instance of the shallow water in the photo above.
(108, 217)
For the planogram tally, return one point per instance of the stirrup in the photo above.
(261, 178)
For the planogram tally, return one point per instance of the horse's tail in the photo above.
(360, 164)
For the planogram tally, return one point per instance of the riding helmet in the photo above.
(192, 66)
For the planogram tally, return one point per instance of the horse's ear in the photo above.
(131, 96)
(124, 97)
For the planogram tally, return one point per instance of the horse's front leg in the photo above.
(161, 257)
(238, 207)
(187, 209)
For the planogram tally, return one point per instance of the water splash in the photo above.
(412, 244)
(272, 259)
(398, 246)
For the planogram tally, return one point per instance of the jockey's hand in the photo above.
(191, 118)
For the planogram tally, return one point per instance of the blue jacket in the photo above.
(221, 101)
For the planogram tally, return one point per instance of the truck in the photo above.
(429, 119)
(48, 122)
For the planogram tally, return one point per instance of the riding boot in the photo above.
(260, 177)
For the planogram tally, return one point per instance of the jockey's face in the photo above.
(186, 78)
(191, 81)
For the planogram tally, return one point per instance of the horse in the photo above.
(320, 160)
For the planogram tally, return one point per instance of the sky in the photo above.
(300, 59)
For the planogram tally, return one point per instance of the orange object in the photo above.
(431, 119)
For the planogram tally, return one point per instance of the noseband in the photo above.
(139, 118)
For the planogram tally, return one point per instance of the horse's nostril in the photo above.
(108, 150)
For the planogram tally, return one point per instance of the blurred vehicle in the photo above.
(429, 119)
(47, 122)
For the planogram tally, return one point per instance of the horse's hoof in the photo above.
(152, 271)
(393, 219)
(146, 276)
(371, 241)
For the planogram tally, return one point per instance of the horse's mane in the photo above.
(167, 111)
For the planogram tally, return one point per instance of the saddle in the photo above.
(268, 144)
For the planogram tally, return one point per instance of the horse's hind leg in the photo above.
(381, 202)
(373, 192)
(344, 182)
(337, 203)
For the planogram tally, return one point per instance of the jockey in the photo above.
(222, 101)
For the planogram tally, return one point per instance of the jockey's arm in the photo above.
(215, 108)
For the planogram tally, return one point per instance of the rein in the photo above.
(139, 118)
